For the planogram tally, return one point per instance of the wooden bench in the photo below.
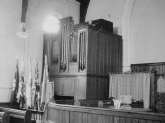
(4, 117)
(17, 116)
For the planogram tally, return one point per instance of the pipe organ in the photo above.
(82, 56)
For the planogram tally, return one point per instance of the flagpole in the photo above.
(29, 86)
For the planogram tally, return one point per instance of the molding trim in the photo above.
(149, 64)
(106, 76)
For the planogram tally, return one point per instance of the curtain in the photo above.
(161, 85)
(160, 99)
(135, 84)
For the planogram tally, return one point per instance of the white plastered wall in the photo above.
(139, 22)
(12, 47)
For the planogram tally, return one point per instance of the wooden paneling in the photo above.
(101, 62)
(122, 120)
(128, 120)
(103, 54)
(97, 88)
(73, 68)
(98, 54)
(91, 86)
(142, 121)
(78, 114)
(80, 88)
(116, 119)
(93, 56)
(159, 67)
(64, 86)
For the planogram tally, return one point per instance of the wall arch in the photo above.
(126, 33)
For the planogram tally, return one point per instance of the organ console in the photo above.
(82, 56)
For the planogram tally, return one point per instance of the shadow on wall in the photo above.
(115, 30)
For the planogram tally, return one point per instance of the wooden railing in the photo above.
(79, 114)
(92, 103)
(95, 103)
(67, 102)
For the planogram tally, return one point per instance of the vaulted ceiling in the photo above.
(83, 9)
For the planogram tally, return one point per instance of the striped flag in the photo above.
(29, 87)
(13, 100)
(21, 88)
(45, 80)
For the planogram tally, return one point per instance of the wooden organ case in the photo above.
(82, 56)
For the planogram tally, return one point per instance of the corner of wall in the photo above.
(126, 34)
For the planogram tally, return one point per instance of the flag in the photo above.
(45, 80)
(36, 89)
(13, 100)
(21, 87)
(29, 86)
(49, 91)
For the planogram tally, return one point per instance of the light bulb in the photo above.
(51, 25)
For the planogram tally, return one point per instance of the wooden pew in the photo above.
(79, 114)
(17, 116)
(4, 117)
